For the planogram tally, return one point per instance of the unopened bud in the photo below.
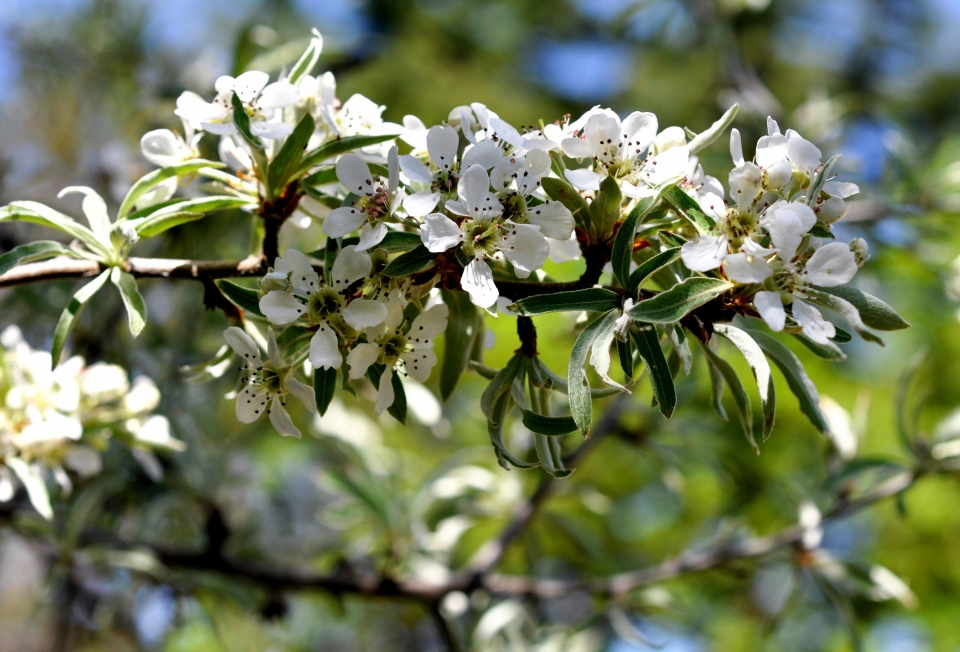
(274, 281)
(832, 210)
(859, 248)
(779, 174)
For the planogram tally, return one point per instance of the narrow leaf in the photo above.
(550, 426)
(132, 300)
(846, 310)
(33, 252)
(828, 351)
(578, 388)
(687, 207)
(625, 354)
(874, 312)
(797, 379)
(464, 324)
(759, 366)
(286, 162)
(622, 253)
(37, 213)
(307, 61)
(661, 379)
(396, 241)
(340, 146)
(246, 299)
(324, 386)
(816, 184)
(561, 191)
(590, 300)
(605, 208)
(416, 260)
(151, 180)
(673, 304)
(740, 397)
(651, 266)
(705, 138)
(72, 311)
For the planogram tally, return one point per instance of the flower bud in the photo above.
(832, 210)
(859, 248)
(669, 138)
(274, 281)
(621, 327)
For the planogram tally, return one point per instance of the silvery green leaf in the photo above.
(132, 300)
(308, 60)
(661, 380)
(72, 311)
(828, 351)
(846, 310)
(687, 207)
(578, 388)
(464, 324)
(339, 146)
(651, 266)
(37, 213)
(759, 366)
(714, 131)
(33, 252)
(797, 379)
(151, 180)
(740, 397)
(282, 168)
(589, 299)
(874, 312)
(816, 184)
(622, 253)
(675, 303)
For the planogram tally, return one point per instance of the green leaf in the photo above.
(605, 209)
(242, 122)
(499, 384)
(33, 252)
(306, 63)
(740, 397)
(673, 304)
(495, 403)
(874, 312)
(705, 138)
(687, 208)
(590, 299)
(560, 190)
(551, 380)
(321, 177)
(398, 410)
(670, 240)
(340, 146)
(324, 386)
(246, 299)
(548, 454)
(760, 368)
(72, 311)
(716, 391)
(846, 310)
(416, 260)
(797, 379)
(578, 388)
(622, 253)
(396, 241)
(464, 324)
(132, 300)
(625, 353)
(550, 426)
(287, 161)
(661, 380)
(151, 180)
(651, 266)
(828, 351)
(36, 213)
(184, 211)
(816, 184)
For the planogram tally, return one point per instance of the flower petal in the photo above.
(279, 95)
(420, 203)
(324, 349)
(251, 403)
(349, 267)
(354, 174)
(814, 325)
(831, 265)
(385, 394)
(485, 153)
(303, 393)
(429, 324)
(442, 145)
(704, 253)
(746, 268)
(281, 307)
(248, 85)
(415, 170)
(371, 235)
(243, 345)
(583, 179)
(439, 233)
(770, 307)
(297, 266)
(576, 148)
(524, 246)
(554, 219)
(364, 313)
(361, 357)
(162, 147)
(281, 420)
(477, 281)
(419, 363)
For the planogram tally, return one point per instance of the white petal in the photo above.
(93, 207)
(273, 351)
(364, 313)
(474, 192)
(831, 265)
(341, 221)
(771, 149)
(477, 281)
(361, 357)
(736, 148)
(639, 130)
(248, 85)
(429, 324)
(583, 179)
(354, 174)
(803, 154)
(281, 307)
(393, 170)
(281, 420)
(524, 246)
(279, 95)
(371, 236)
(272, 130)
(298, 267)
(745, 268)
(667, 166)
(414, 169)
(506, 131)
(713, 205)
(705, 253)
(196, 110)
(31, 477)
(745, 183)
(554, 219)
(251, 403)
(814, 325)
(841, 189)
(385, 395)
(303, 393)
(160, 193)
(349, 267)
(243, 345)
(562, 251)
(439, 233)
(324, 351)
(669, 138)
(576, 148)
(770, 307)
(601, 130)
(773, 129)
(420, 203)
(442, 145)
(485, 153)
(419, 363)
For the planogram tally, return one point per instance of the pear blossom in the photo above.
(623, 150)
(267, 383)
(405, 346)
(518, 181)
(260, 100)
(294, 292)
(164, 148)
(378, 200)
(358, 116)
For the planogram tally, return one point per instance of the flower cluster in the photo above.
(56, 422)
(774, 236)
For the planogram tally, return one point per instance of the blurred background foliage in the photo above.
(875, 80)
